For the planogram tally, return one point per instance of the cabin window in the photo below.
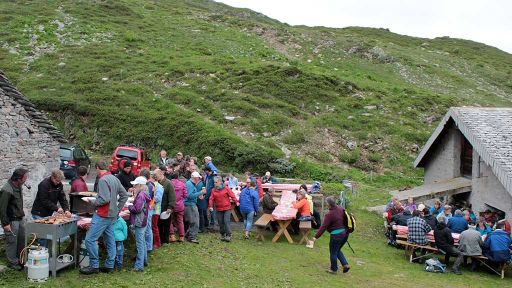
(466, 161)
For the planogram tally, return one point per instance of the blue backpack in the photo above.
(315, 188)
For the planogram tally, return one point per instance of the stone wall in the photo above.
(487, 190)
(444, 161)
(23, 143)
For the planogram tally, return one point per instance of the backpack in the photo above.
(315, 187)
(350, 221)
(434, 265)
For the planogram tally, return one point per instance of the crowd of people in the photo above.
(170, 203)
(483, 235)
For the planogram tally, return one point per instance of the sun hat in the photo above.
(195, 174)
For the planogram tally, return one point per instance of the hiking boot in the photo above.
(106, 270)
(193, 241)
(222, 237)
(346, 268)
(137, 270)
(227, 238)
(172, 239)
(181, 239)
(89, 270)
(331, 271)
(457, 272)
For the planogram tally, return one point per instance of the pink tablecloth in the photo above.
(283, 187)
(403, 230)
(285, 210)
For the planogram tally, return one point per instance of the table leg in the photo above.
(233, 213)
(54, 258)
(282, 230)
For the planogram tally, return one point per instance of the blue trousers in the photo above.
(149, 233)
(142, 252)
(101, 226)
(119, 254)
(335, 245)
(248, 219)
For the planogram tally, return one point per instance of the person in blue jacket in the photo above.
(457, 223)
(497, 245)
(120, 234)
(249, 204)
(202, 202)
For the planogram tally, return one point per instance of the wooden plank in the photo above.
(449, 187)
(263, 220)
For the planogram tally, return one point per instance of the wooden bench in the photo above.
(305, 228)
(410, 248)
(262, 224)
(501, 269)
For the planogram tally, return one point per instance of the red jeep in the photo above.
(136, 154)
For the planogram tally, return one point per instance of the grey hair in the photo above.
(447, 207)
(217, 178)
(442, 219)
(458, 212)
(301, 192)
(331, 201)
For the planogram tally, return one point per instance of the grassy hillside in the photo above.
(206, 78)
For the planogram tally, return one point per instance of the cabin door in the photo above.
(466, 161)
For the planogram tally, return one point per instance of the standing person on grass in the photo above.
(179, 208)
(249, 204)
(222, 196)
(110, 199)
(168, 202)
(194, 190)
(335, 223)
(139, 219)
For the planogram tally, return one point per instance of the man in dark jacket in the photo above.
(125, 174)
(430, 219)
(168, 202)
(496, 245)
(49, 192)
(11, 216)
(444, 242)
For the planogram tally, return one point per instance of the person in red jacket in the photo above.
(222, 197)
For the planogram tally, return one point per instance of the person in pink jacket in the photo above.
(179, 209)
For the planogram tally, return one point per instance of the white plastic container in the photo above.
(38, 269)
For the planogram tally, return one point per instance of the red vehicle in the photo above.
(136, 154)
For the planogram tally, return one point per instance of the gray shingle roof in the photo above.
(489, 130)
(39, 118)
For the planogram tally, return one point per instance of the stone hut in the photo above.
(469, 156)
(28, 139)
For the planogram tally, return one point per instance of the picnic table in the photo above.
(284, 214)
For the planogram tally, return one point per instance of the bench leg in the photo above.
(305, 234)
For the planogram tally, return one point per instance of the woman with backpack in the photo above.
(336, 224)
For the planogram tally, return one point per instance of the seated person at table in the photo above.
(437, 209)
(402, 218)
(302, 205)
(490, 218)
(303, 213)
(430, 219)
(268, 178)
(457, 223)
(497, 244)
(411, 206)
(268, 205)
(78, 184)
(317, 221)
(391, 203)
(447, 214)
(470, 244)
(482, 227)
(444, 242)
(396, 209)
(417, 229)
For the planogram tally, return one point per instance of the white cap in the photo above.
(139, 180)
(421, 207)
(195, 174)
(267, 174)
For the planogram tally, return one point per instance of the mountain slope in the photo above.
(206, 78)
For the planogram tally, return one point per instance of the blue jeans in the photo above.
(119, 254)
(149, 233)
(101, 226)
(142, 252)
(248, 219)
(335, 245)
(42, 242)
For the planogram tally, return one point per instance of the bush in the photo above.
(350, 157)
(374, 157)
(295, 137)
(282, 166)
